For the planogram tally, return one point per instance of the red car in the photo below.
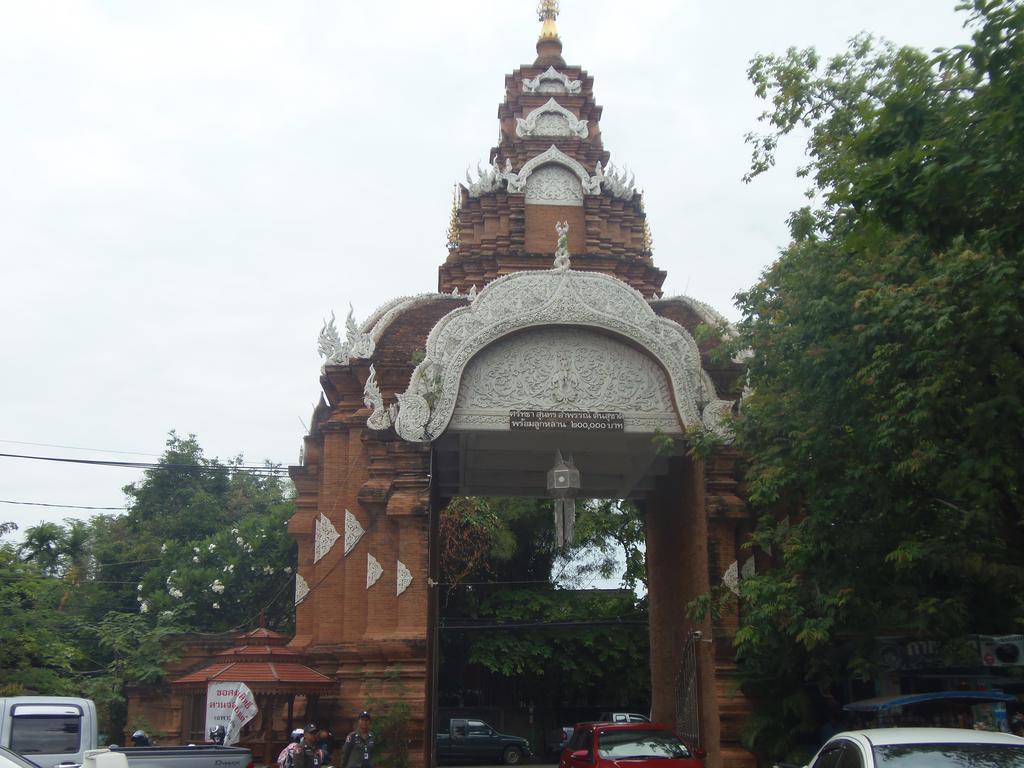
(636, 745)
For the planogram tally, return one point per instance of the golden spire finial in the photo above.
(547, 12)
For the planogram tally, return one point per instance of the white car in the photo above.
(920, 748)
(10, 759)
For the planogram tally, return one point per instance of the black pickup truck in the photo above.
(474, 741)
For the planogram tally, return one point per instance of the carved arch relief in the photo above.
(551, 81)
(561, 298)
(554, 184)
(517, 181)
(551, 119)
(564, 368)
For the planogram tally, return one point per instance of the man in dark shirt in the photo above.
(305, 754)
(358, 749)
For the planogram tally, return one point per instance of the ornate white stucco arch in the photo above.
(517, 181)
(532, 299)
(567, 124)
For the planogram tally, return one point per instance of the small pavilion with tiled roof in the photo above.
(276, 675)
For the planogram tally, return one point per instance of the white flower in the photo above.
(268, 570)
(288, 569)
(176, 593)
(239, 541)
(196, 550)
(138, 599)
(229, 568)
(217, 586)
(234, 530)
(166, 614)
(144, 608)
(163, 547)
(212, 547)
(216, 605)
(139, 588)
(195, 559)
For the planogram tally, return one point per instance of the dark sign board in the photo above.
(583, 421)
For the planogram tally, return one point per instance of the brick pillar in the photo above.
(677, 571)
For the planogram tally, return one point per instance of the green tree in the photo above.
(887, 366)
(37, 648)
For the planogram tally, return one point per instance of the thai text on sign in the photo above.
(231, 705)
(584, 421)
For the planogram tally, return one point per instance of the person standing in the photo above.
(304, 754)
(358, 749)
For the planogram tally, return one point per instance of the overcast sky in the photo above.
(188, 188)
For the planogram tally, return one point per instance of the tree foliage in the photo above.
(92, 606)
(887, 366)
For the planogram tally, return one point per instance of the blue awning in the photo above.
(885, 703)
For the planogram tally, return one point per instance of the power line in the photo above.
(78, 448)
(266, 471)
(58, 506)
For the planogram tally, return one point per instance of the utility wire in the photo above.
(267, 471)
(58, 506)
(79, 448)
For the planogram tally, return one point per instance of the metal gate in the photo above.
(688, 692)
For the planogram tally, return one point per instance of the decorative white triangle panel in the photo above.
(353, 532)
(373, 570)
(324, 537)
(404, 577)
(731, 578)
(301, 589)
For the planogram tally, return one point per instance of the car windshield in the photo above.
(621, 745)
(950, 756)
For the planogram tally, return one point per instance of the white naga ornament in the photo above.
(325, 534)
(357, 344)
(551, 81)
(404, 578)
(614, 182)
(329, 344)
(353, 532)
(301, 589)
(373, 571)
(551, 119)
(491, 180)
(562, 262)
(381, 418)
(715, 418)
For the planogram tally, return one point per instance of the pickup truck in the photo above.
(57, 731)
(474, 741)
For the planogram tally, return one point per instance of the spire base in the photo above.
(549, 52)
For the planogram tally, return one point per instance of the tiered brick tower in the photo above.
(389, 443)
(506, 220)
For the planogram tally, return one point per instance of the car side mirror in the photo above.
(700, 753)
(580, 754)
(491, 731)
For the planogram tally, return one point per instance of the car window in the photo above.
(619, 718)
(851, 757)
(638, 719)
(458, 727)
(46, 735)
(829, 758)
(949, 756)
(621, 745)
(478, 728)
(583, 739)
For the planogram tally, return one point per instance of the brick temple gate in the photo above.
(417, 408)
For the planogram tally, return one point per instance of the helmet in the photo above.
(217, 734)
(140, 739)
(297, 735)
